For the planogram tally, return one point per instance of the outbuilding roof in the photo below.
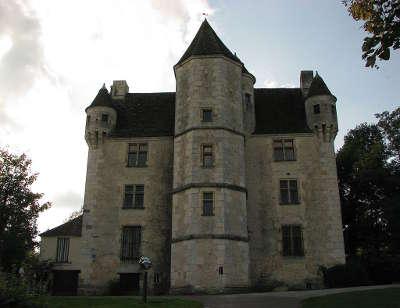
(70, 228)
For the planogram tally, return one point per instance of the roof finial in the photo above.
(104, 85)
(205, 15)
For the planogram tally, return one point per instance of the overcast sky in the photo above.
(55, 55)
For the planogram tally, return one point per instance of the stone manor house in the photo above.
(223, 185)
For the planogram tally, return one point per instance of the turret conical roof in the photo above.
(207, 42)
(318, 87)
(102, 98)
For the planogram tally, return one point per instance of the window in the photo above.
(247, 101)
(292, 241)
(130, 243)
(207, 115)
(134, 196)
(208, 157)
(104, 117)
(88, 120)
(137, 155)
(317, 109)
(62, 249)
(288, 192)
(284, 150)
(221, 270)
(208, 204)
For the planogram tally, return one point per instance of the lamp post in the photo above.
(145, 264)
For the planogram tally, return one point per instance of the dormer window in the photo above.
(207, 115)
(104, 117)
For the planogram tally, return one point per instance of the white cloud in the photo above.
(55, 55)
(269, 83)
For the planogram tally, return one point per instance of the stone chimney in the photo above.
(306, 77)
(119, 88)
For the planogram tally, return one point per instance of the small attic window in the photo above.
(317, 109)
(104, 117)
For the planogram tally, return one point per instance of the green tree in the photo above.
(19, 209)
(382, 21)
(369, 185)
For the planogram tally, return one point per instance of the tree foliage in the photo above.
(369, 185)
(19, 209)
(382, 20)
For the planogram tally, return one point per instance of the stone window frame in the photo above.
(134, 163)
(203, 212)
(134, 193)
(292, 251)
(62, 250)
(285, 150)
(136, 251)
(203, 164)
(202, 110)
(290, 202)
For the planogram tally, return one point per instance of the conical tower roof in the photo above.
(207, 42)
(318, 87)
(102, 98)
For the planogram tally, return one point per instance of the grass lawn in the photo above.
(120, 301)
(382, 298)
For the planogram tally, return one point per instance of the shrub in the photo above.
(345, 275)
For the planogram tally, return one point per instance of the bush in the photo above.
(345, 275)
(14, 292)
(385, 271)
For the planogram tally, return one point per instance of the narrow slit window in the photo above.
(208, 204)
(208, 156)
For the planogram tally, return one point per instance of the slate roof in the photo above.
(318, 87)
(103, 98)
(70, 228)
(279, 111)
(145, 115)
(206, 43)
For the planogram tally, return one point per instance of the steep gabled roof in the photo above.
(280, 111)
(318, 87)
(70, 228)
(145, 115)
(206, 42)
(103, 98)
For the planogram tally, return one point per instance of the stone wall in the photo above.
(104, 216)
(318, 211)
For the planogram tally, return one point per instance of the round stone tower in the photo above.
(101, 119)
(209, 250)
(321, 110)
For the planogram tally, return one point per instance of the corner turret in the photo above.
(321, 110)
(101, 118)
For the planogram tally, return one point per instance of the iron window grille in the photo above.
(289, 192)
(131, 243)
(137, 154)
(207, 115)
(134, 197)
(62, 249)
(284, 150)
(208, 204)
(292, 241)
